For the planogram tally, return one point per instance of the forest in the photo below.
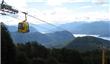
(35, 53)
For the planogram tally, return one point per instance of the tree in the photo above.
(8, 50)
(67, 56)
(52, 60)
(39, 50)
(38, 61)
(22, 58)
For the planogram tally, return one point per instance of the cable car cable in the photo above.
(47, 22)
(44, 21)
(46, 29)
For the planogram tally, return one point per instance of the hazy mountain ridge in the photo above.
(101, 28)
(61, 38)
(49, 39)
(88, 43)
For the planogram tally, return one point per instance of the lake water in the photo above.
(82, 35)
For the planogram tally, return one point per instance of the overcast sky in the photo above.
(62, 11)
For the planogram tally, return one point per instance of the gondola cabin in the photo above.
(23, 27)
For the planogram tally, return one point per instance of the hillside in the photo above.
(87, 43)
(61, 38)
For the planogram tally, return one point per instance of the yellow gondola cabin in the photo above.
(23, 26)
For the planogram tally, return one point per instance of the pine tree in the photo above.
(8, 52)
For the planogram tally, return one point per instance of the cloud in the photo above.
(8, 20)
(96, 16)
(61, 2)
(65, 15)
(100, 1)
(36, 0)
(60, 13)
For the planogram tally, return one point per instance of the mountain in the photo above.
(28, 37)
(101, 28)
(61, 38)
(33, 35)
(54, 39)
(87, 43)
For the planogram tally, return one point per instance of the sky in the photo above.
(60, 11)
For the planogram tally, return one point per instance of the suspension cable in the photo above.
(46, 29)
(43, 21)
(46, 22)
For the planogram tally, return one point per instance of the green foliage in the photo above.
(38, 61)
(87, 43)
(8, 52)
(22, 58)
(35, 53)
(52, 60)
(67, 56)
(95, 57)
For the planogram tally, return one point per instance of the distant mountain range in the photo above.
(101, 28)
(59, 38)
(88, 43)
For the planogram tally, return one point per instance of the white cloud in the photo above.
(64, 15)
(79, 16)
(92, 16)
(56, 2)
(61, 2)
(9, 20)
(59, 14)
(100, 1)
(36, 0)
